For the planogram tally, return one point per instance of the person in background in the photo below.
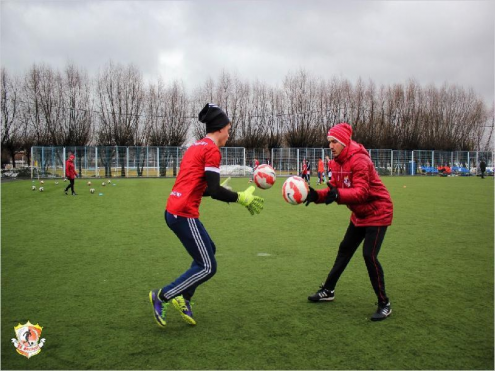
(482, 168)
(304, 170)
(321, 171)
(308, 171)
(71, 174)
(329, 169)
(256, 163)
(356, 184)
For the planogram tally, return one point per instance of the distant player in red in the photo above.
(199, 176)
(256, 164)
(321, 170)
(329, 168)
(71, 174)
(304, 171)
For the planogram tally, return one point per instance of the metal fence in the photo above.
(115, 161)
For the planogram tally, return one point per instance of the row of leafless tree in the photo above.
(51, 107)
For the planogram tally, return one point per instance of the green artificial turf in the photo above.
(82, 268)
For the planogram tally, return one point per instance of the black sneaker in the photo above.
(322, 295)
(383, 311)
(66, 193)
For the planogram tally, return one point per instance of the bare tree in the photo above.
(120, 97)
(204, 94)
(32, 107)
(77, 120)
(11, 123)
(274, 123)
(117, 109)
(301, 104)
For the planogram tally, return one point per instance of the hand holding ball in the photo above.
(295, 190)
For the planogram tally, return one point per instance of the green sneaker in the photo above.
(184, 307)
(159, 308)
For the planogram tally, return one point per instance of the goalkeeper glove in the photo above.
(254, 204)
(312, 196)
(332, 194)
(225, 184)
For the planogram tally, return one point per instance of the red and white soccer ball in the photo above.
(264, 176)
(295, 190)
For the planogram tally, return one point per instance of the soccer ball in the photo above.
(56, 183)
(33, 188)
(264, 176)
(103, 184)
(65, 179)
(89, 183)
(295, 190)
(109, 181)
(42, 182)
(92, 190)
(41, 189)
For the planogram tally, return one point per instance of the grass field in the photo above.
(82, 268)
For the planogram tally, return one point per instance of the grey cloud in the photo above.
(386, 41)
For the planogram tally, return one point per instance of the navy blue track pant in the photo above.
(199, 245)
(373, 238)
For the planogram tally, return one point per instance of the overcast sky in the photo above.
(386, 41)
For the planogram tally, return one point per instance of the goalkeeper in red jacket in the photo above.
(356, 184)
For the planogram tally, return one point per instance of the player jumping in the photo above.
(199, 176)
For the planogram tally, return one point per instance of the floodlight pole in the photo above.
(391, 162)
(158, 162)
(244, 160)
(127, 162)
(271, 159)
(97, 173)
(297, 158)
(63, 161)
(412, 163)
(32, 162)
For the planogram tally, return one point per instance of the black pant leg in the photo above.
(371, 247)
(352, 239)
(72, 185)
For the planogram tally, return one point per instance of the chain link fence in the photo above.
(116, 161)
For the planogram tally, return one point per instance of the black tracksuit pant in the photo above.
(373, 238)
(71, 186)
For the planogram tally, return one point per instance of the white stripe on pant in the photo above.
(206, 260)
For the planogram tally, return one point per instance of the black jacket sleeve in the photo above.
(215, 190)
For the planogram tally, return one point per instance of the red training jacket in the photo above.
(360, 188)
(70, 169)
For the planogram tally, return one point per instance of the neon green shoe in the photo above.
(184, 307)
(159, 308)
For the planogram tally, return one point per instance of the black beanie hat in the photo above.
(213, 117)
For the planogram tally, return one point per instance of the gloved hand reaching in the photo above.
(312, 196)
(332, 194)
(254, 204)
